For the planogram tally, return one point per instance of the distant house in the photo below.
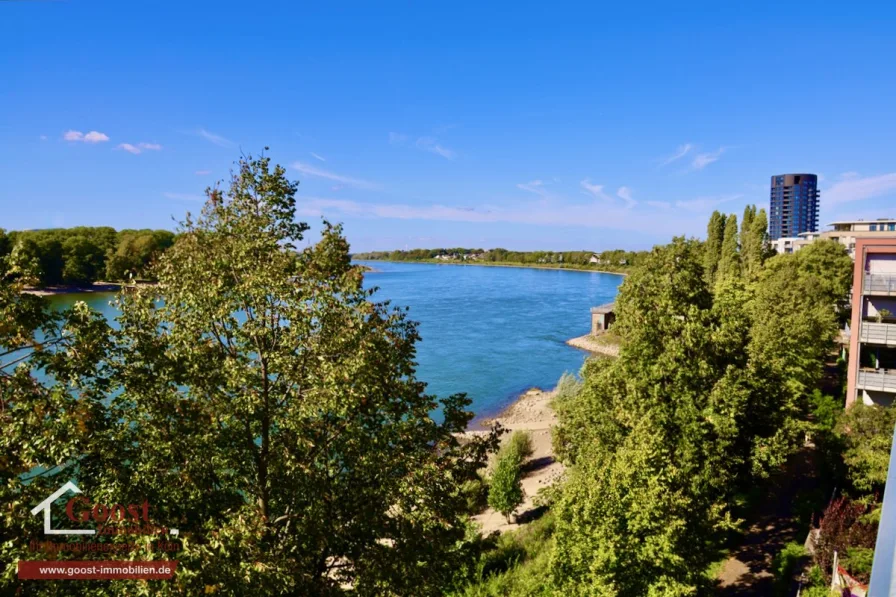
(602, 318)
(623, 262)
(595, 259)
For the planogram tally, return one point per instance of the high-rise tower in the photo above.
(793, 205)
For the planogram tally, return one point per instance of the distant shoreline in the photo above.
(74, 289)
(519, 265)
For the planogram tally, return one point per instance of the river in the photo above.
(492, 332)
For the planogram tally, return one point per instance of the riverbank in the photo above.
(96, 287)
(517, 265)
(605, 344)
(532, 413)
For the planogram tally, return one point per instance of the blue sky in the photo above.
(522, 125)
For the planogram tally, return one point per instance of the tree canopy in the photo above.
(259, 400)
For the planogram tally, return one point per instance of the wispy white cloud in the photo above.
(397, 138)
(659, 204)
(535, 186)
(682, 151)
(215, 138)
(43, 137)
(316, 156)
(596, 190)
(625, 194)
(853, 187)
(203, 172)
(431, 144)
(314, 171)
(702, 160)
(139, 147)
(538, 212)
(704, 204)
(91, 137)
(183, 197)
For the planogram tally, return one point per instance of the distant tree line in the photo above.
(80, 255)
(613, 259)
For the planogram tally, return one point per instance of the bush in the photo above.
(519, 444)
(785, 564)
(475, 492)
(867, 432)
(858, 562)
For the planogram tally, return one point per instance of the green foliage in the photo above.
(519, 444)
(505, 490)
(513, 564)
(784, 566)
(858, 562)
(729, 258)
(712, 249)
(867, 434)
(82, 255)
(261, 402)
(475, 492)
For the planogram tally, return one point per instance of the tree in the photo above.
(729, 258)
(83, 260)
(715, 231)
(505, 490)
(867, 435)
(263, 404)
(746, 237)
(757, 248)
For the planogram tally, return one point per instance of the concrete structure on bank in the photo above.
(872, 345)
(602, 318)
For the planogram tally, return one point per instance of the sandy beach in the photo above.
(532, 413)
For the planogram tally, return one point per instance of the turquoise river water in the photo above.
(492, 332)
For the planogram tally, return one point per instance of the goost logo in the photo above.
(99, 513)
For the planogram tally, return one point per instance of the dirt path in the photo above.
(772, 524)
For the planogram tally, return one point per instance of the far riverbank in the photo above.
(518, 265)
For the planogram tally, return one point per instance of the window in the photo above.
(891, 227)
(873, 227)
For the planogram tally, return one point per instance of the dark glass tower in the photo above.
(794, 205)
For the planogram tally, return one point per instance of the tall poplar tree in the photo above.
(712, 249)
(729, 259)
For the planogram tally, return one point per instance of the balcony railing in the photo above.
(881, 380)
(883, 334)
(881, 284)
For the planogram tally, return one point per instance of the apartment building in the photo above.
(872, 344)
(845, 232)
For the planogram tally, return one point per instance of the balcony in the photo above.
(881, 380)
(879, 284)
(883, 334)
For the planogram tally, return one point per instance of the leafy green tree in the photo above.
(867, 434)
(83, 260)
(260, 401)
(746, 236)
(505, 490)
(715, 232)
(729, 258)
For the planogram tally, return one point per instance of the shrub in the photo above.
(858, 562)
(785, 564)
(519, 444)
(475, 492)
